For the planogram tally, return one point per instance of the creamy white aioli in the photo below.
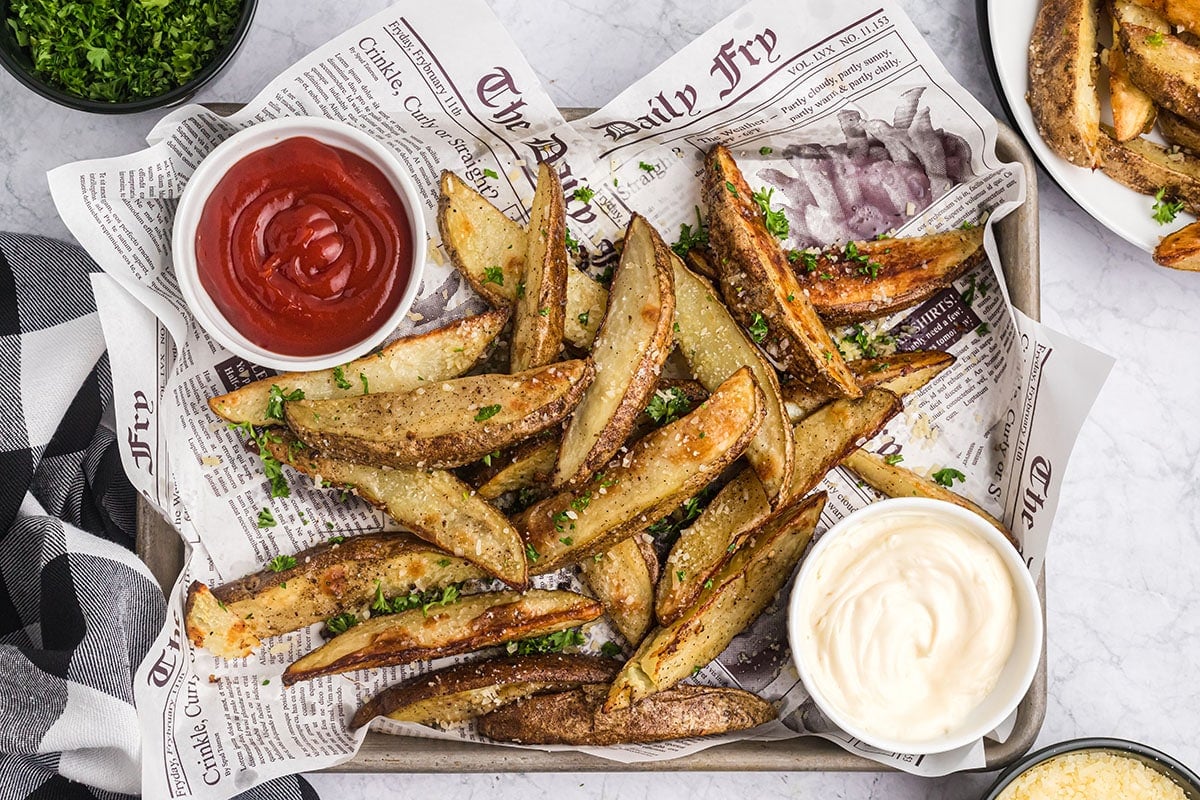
(909, 620)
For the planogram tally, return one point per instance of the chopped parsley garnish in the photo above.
(487, 412)
(644, 167)
(571, 242)
(774, 221)
(966, 225)
(280, 563)
(487, 460)
(266, 519)
(1155, 39)
(667, 405)
(340, 623)
(807, 259)
(893, 459)
(610, 649)
(567, 540)
(866, 343)
(584, 194)
(493, 275)
(531, 552)
(689, 237)
(947, 476)
(583, 318)
(680, 575)
(443, 562)
(520, 289)
(560, 520)
(271, 466)
(425, 600)
(490, 173)
(336, 539)
(974, 287)
(550, 643)
(276, 398)
(865, 265)
(339, 379)
(1165, 210)
(667, 528)
(695, 671)
(362, 376)
(983, 328)
(765, 151)
(582, 502)
(758, 328)
(545, 312)
(708, 584)
(732, 189)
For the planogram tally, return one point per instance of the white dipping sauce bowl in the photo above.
(1017, 673)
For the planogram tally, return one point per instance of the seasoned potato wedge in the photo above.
(1062, 79)
(448, 424)
(1178, 131)
(399, 367)
(1181, 249)
(473, 623)
(1133, 110)
(894, 480)
(759, 285)
(434, 504)
(1164, 67)
(877, 277)
(529, 464)
(659, 472)
(715, 347)
(540, 310)
(739, 592)
(574, 717)
(699, 261)
(479, 239)
(464, 691)
(822, 439)
(1184, 13)
(634, 341)
(622, 578)
(231, 619)
(1147, 167)
(899, 373)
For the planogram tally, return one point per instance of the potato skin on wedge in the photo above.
(1164, 67)
(1178, 131)
(1180, 249)
(622, 578)
(1147, 167)
(900, 373)
(574, 717)
(448, 424)
(231, 619)
(473, 623)
(464, 691)
(759, 285)
(1062, 79)
(888, 274)
(540, 310)
(399, 367)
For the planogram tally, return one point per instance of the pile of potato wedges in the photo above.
(683, 502)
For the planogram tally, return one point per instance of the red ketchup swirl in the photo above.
(305, 248)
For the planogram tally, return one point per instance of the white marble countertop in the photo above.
(1123, 607)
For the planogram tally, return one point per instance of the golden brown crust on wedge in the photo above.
(1178, 131)
(759, 285)
(1164, 67)
(229, 620)
(473, 623)
(1062, 79)
(1133, 110)
(478, 237)
(463, 691)
(622, 578)
(540, 311)
(1147, 167)
(1180, 249)
(529, 464)
(449, 424)
(574, 717)
(899, 373)
(1185, 13)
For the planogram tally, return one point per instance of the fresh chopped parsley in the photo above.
(571, 242)
(690, 238)
(680, 575)
(584, 194)
(490, 173)
(1165, 210)
(668, 528)
(583, 318)
(582, 501)
(531, 553)
(610, 649)
(493, 275)
(339, 379)
(560, 520)
(280, 563)
(545, 312)
(644, 167)
(867, 344)
(983, 328)
(667, 405)
(266, 519)
(865, 265)
(336, 539)
(487, 412)
(567, 540)
(276, 399)
(426, 600)
(1155, 39)
(695, 671)
(758, 329)
(362, 376)
(340, 623)
(966, 225)
(947, 476)
(774, 221)
(807, 259)
(708, 584)
(765, 151)
(487, 460)
(732, 189)
(272, 469)
(520, 289)
(550, 643)
(893, 459)
(443, 562)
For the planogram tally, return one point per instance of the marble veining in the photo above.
(1123, 607)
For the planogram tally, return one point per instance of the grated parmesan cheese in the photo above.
(1092, 774)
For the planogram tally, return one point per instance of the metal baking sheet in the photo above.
(1017, 238)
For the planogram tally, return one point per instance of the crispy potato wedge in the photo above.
(630, 349)
(1180, 249)
(822, 440)
(1147, 167)
(899, 373)
(479, 238)
(465, 691)
(1062, 79)
(231, 619)
(1185, 13)
(434, 504)
(739, 592)
(1165, 67)
(659, 472)
(1133, 110)
(759, 286)
(448, 424)
(574, 717)
(473, 623)
(529, 464)
(1178, 131)
(715, 347)
(896, 273)
(399, 367)
(699, 261)
(622, 578)
(540, 309)
(894, 480)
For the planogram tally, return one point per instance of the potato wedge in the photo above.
(464, 691)
(540, 310)
(622, 578)
(479, 239)
(230, 620)
(699, 261)
(529, 464)
(658, 473)
(1165, 67)
(877, 277)
(739, 592)
(1062, 79)
(1178, 131)
(822, 440)
(448, 424)
(759, 285)
(473, 623)
(574, 717)
(1147, 167)
(899, 373)
(715, 347)
(399, 367)
(894, 480)
(433, 504)
(1180, 249)
(1133, 110)
(1184, 13)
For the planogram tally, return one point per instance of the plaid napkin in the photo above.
(78, 610)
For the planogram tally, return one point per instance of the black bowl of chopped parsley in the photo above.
(120, 56)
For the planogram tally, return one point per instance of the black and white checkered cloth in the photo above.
(78, 610)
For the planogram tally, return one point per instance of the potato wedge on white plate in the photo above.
(1062, 79)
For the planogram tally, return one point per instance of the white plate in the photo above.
(1121, 210)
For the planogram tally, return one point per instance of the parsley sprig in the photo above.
(774, 221)
(426, 600)
(947, 476)
(690, 238)
(276, 399)
(1165, 209)
(262, 438)
(549, 643)
(667, 405)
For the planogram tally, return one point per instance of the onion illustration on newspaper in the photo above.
(850, 136)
